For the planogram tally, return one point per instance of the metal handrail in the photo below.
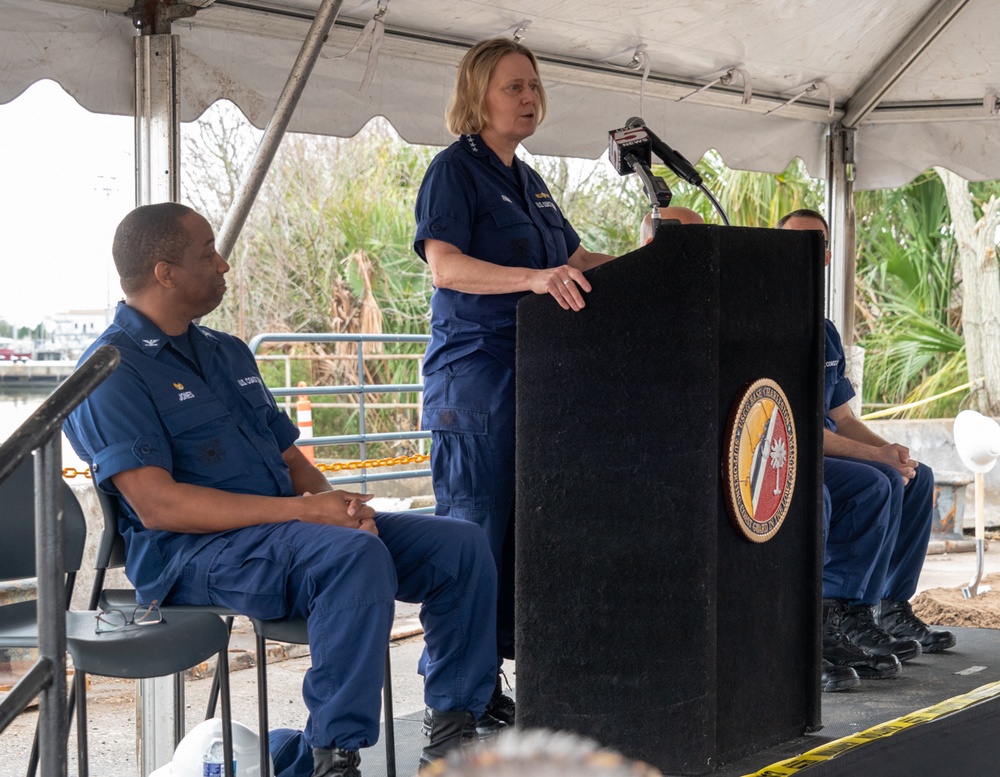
(47, 420)
(48, 674)
(362, 390)
(331, 391)
(333, 337)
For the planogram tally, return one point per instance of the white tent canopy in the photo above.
(897, 85)
(917, 79)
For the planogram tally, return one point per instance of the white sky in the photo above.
(66, 180)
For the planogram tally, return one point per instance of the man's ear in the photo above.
(164, 273)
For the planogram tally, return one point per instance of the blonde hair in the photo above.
(466, 113)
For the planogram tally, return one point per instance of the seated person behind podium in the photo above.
(219, 507)
(673, 213)
(878, 523)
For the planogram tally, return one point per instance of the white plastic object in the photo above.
(977, 440)
(189, 757)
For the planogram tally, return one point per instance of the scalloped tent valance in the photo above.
(917, 78)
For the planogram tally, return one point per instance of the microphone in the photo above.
(628, 145)
(671, 158)
(630, 151)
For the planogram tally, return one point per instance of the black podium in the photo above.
(644, 619)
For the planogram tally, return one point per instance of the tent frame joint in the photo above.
(155, 17)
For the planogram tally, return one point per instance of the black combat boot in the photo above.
(448, 731)
(858, 622)
(336, 762)
(487, 726)
(500, 705)
(837, 678)
(840, 651)
(499, 714)
(898, 620)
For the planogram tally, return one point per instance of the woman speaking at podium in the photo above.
(490, 232)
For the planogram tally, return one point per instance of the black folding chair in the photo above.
(111, 554)
(19, 621)
(176, 643)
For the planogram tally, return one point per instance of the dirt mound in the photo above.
(947, 606)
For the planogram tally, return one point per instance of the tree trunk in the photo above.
(980, 287)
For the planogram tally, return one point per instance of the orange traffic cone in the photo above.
(304, 418)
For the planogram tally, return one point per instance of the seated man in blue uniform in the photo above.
(879, 522)
(220, 507)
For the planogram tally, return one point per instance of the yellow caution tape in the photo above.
(825, 752)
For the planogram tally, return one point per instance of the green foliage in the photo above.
(759, 199)
(604, 208)
(27, 333)
(334, 233)
(328, 248)
(908, 300)
(909, 319)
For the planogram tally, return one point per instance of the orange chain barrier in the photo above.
(372, 463)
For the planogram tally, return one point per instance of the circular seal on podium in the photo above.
(759, 468)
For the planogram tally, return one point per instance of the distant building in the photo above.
(68, 334)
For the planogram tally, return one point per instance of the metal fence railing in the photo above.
(47, 677)
(357, 399)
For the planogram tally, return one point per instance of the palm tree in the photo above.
(906, 302)
(756, 199)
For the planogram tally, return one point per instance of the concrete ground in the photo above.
(112, 702)
(955, 570)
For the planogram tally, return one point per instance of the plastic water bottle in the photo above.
(214, 759)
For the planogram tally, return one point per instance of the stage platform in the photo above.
(956, 738)
(941, 742)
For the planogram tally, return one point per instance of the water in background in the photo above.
(16, 406)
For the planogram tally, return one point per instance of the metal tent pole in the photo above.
(840, 214)
(157, 127)
(157, 179)
(268, 147)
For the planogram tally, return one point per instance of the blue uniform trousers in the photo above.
(469, 405)
(344, 582)
(878, 530)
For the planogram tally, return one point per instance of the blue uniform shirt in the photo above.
(209, 422)
(504, 215)
(837, 389)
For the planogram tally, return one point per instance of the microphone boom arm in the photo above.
(656, 188)
(673, 160)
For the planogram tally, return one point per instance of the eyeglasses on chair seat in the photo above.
(142, 615)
